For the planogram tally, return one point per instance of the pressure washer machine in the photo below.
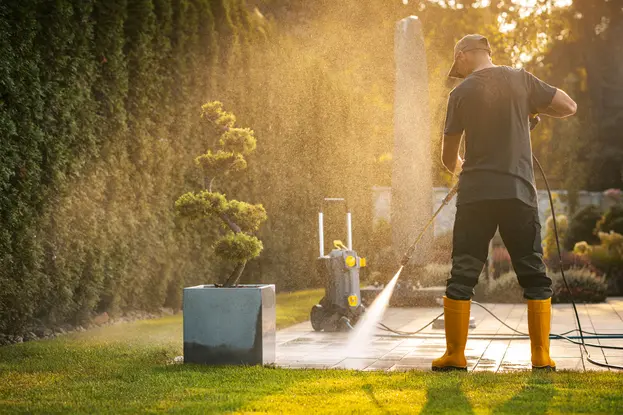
(341, 307)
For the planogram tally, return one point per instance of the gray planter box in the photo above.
(229, 326)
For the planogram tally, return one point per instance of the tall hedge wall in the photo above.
(98, 113)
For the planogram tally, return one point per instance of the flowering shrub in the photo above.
(606, 258)
(585, 285)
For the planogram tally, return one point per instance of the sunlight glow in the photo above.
(481, 3)
(526, 8)
(505, 26)
(563, 3)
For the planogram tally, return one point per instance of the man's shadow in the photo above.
(444, 396)
(369, 390)
(534, 398)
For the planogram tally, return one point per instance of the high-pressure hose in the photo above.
(564, 279)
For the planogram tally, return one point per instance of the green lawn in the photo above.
(127, 369)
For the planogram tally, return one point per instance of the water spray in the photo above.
(363, 332)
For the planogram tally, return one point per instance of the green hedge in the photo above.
(99, 102)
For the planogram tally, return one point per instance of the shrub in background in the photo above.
(431, 275)
(504, 289)
(613, 195)
(382, 261)
(500, 261)
(612, 220)
(550, 249)
(582, 227)
(569, 260)
(585, 286)
(442, 248)
(607, 258)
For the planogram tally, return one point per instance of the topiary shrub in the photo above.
(238, 220)
(585, 286)
(582, 227)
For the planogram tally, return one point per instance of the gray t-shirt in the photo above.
(492, 107)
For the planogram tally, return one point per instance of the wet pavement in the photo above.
(300, 347)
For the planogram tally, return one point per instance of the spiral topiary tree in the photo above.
(238, 219)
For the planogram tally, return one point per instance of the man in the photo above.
(493, 106)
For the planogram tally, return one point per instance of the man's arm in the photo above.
(561, 106)
(548, 100)
(452, 132)
(450, 152)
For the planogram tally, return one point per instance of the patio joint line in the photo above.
(490, 341)
(603, 353)
(509, 341)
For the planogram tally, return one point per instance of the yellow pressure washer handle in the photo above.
(337, 244)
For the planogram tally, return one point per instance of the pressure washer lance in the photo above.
(444, 202)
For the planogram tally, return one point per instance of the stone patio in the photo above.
(300, 347)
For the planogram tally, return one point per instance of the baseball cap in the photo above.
(467, 43)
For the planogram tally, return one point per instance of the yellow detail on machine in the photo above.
(352, 300)
(351, 261)
(362, 262)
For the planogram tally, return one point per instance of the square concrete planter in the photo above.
(229, 326)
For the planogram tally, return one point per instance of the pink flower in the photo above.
(613, 193)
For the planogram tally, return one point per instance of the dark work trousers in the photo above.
(519, 225)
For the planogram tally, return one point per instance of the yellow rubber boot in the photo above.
(456, 322)
(539, 317)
